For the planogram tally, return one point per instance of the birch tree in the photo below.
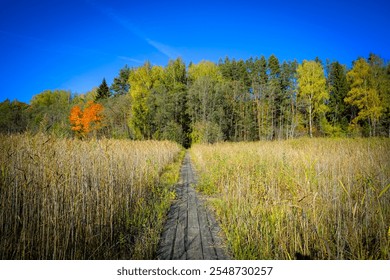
(364, 95)
(312, 90)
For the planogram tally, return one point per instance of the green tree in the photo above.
(339, 112)
(386, 102)
(143, 80)
(116, 111)
(175, 103)
(202, 101)
(103, 92)
(120, 85)
(289, 119)
(364, 95)
(206, 132)
(312, 90)
(13, 116)
(381, 82)
(49, 112)
(204, 69)
(233, 94)
(259, 89)
(276, 99)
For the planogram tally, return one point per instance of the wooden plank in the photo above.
(190, 232)
(194, 243)
(179, 247)
(209, 252)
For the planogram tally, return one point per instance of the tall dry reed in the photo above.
(303, 198)
(72, 199)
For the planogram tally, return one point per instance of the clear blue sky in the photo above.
(73, 45)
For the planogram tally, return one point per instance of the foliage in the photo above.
(116, 111)
(142, 81)
(206, 132)
(120, 85)
(242, 100)
(204, 69)
(312, 91)
(103, 91)
(88, 120)
(364, 95)
(339, 112)
(13, 116)
(48, 112)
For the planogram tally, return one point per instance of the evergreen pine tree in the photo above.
(103, 91)
(338, 89)
(121, 85)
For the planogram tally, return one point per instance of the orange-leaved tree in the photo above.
(85, 121)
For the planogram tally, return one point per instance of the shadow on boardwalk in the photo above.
(190, 233)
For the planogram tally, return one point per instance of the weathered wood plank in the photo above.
(190, 231)
(209, 252)
(179, 246)
(193, 228)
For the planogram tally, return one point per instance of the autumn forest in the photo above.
(233, 100)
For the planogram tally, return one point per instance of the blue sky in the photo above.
(73, 45)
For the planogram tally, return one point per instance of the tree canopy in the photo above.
(312, 91)
(103, 91)
(233, 100)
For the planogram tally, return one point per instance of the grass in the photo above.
(72, 199)
(302, 198)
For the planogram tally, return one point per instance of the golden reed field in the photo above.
(73, 199)
(300, 199)
(108, 199)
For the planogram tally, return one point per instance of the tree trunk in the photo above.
(310, 121)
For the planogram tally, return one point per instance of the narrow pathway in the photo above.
(190, 233)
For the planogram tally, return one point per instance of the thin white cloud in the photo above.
(130, 59)
(166, 50)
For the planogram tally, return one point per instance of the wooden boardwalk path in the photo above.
(190, 233)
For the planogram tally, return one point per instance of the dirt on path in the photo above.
(190, 232)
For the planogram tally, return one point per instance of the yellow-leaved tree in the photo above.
(142, 81)
(364, 95)
(312, 90)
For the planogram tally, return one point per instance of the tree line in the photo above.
(232, 100)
